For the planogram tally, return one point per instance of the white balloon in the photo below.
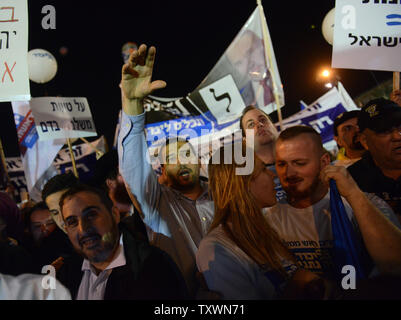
(42, 65)
(328, 26)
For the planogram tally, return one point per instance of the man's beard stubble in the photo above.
(294, 194)
(107, 246)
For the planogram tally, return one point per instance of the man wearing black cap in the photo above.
(346, 134)
(379, 170)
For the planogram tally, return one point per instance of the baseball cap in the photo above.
(342, 117)
(379, 115)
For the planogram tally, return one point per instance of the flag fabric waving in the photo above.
(345, 250)
(251, 63)
(85, 158)
(321, 114)
(37, 156)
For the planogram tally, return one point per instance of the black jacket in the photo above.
(149, 274)
(370, 179)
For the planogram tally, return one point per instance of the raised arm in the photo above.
(134, 162)
(136, 80)
(381, 237)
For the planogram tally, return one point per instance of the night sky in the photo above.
(190, 37)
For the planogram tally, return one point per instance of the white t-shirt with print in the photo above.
(307, 232)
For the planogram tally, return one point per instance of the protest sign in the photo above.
(14, 78)
(367, 35)
(61, 117)
(224, 100)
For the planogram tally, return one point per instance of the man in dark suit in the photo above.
(114, 261)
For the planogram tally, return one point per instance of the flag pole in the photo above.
(3, 161)
(396, 81)
(74, 167)
(98, 152)
(268, 61)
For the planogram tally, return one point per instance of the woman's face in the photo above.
(262, 186)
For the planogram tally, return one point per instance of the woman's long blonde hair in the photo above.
(234, 203)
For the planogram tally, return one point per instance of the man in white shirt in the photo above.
(117, 262)
(304, 223)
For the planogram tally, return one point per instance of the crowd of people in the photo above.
(267, 234)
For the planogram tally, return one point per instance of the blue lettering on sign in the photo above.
(322, 122)
(392, 22)
(183, 126)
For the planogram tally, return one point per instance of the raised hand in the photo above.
(136, 81)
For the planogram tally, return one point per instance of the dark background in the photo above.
(190, 37)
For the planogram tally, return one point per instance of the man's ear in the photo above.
(111, 184)
(363, 140)
(338, 140)
(325, 160)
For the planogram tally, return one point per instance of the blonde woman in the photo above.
(242, 257)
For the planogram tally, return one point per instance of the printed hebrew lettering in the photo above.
(387, 41)
(355, 38)
(364, 40)
(222, 97)
(8, 71)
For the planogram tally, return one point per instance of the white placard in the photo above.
(223, 99)
(14, 79)
(57, 118)
(367, 35)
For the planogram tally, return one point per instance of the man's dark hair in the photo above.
(106, 167)
(295, 131)
(245, 111)
(59, 182)
(104, 198)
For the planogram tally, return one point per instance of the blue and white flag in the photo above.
(251, 63)
(37, 156)
(85, 159)
(321, 114)
(345, 245)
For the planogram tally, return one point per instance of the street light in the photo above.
(327, 77)
(325, 73)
